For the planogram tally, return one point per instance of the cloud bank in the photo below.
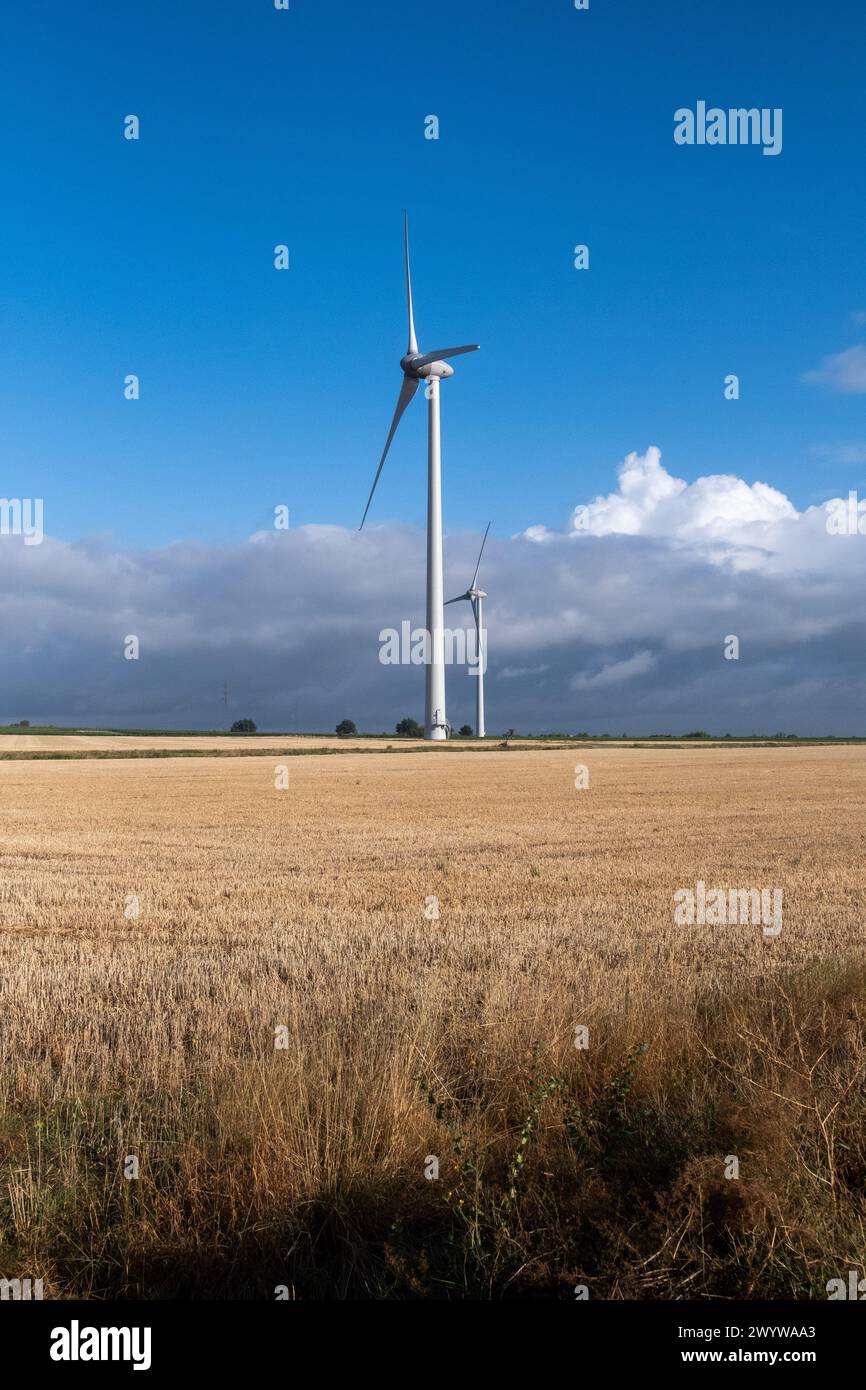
(617, 622)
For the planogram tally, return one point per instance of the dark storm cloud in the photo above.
(619, 623)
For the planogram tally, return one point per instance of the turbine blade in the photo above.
(480, 553)
(458, 599)
(407, 391)
(413, 341)
(441, 353)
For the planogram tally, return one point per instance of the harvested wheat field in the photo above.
(97, 743)
(462, 960)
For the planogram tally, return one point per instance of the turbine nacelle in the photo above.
(425, 370)
(469, 597)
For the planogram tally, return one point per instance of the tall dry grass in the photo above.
(409, 1038)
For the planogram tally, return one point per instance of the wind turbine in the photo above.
(432, 368)
(476, 597)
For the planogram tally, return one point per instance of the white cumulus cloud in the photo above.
(651, 502)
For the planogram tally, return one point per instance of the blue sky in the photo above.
(306, 127)
(262, 388)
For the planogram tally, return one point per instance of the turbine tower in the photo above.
(476, 597)
(432, 368)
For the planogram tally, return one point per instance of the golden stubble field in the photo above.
(118, 743)
(286, 1034)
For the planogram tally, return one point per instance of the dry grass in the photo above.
(410, 1037)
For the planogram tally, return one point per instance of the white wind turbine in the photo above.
(476, 597)
(432, 368)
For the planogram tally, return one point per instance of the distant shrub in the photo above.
(465, 730)
(243, 726)
(346, 728)
(409, 728)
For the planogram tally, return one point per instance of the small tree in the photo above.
(409, 728)
(346, 728)
(243, 726)
(465, 730)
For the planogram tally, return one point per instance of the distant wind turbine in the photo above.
(432, 368)
(476, 597)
